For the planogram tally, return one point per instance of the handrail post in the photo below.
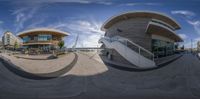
(139, 50)
(125, 41)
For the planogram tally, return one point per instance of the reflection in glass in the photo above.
(162, 48)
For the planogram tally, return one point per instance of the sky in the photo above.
(85, 17)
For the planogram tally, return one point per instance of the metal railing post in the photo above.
(125, 41)
(139, 50)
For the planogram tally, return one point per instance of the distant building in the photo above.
(9, 40)
(198, 46)
(43, 39)
(1, 45)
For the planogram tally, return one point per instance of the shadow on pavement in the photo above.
(15, 69)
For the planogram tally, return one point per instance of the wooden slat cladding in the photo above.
(41, 32)
(141, 14)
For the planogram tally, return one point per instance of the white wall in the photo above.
(12, 39)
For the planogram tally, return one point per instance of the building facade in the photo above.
(9, 40)
(42, 39)
(151, 34)
(1, 45)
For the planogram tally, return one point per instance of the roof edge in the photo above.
(140, 11)
(42, 29)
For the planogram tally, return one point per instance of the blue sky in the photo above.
(85, 17)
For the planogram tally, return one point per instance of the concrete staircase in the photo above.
(132, 52)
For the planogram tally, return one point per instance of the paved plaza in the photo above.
(90, 78)
(38, 64)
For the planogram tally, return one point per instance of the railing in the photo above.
(137, 48)
(36, 41)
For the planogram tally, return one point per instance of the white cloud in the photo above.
(17, 11)
(23, 15)
(1, 30)
(40, 2)
(153, 4)
(184, 13)
(189, 17)
(64, 1)
(89, 32)
(88, 27)
(1, 22)
(183, 36)
(139, 4)
(129, 4)
(196, 25)
(1, 33)
(191, 43)
(90, 41)
(105, 3)
(36, 24)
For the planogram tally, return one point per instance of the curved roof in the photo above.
(42, 30)
(146, 14)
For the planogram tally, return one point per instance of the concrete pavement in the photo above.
(92, 79)
(40, 66)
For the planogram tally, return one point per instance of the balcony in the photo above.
(162, 30)
(36, 42)
(163, 24)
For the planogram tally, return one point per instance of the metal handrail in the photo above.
(125, 40)
(136, 45)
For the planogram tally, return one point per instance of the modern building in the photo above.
(136, 38)
(9, 40)
(1, 45)
(43, 39)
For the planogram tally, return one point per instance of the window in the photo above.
(25, 39)
(162, 48)
(44, 37)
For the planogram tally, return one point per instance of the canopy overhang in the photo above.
(160, 30)
(42, 31)
(140, 14)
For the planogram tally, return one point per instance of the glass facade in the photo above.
(25, 39)
(44, 37)
(162, 48)
(41, 41)
(40, 37)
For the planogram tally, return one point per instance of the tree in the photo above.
(61, 44)
(16, 45)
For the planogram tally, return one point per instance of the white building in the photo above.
(9, 40)
(1, 45)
